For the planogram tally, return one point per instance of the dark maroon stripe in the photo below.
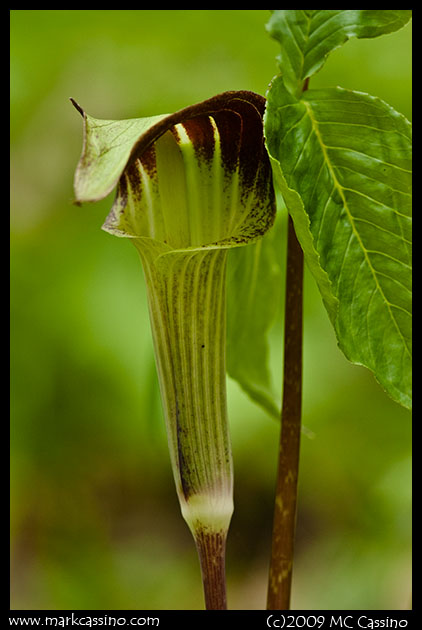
(229, 125)
(201, 133)
(251, 150)
(149, 161)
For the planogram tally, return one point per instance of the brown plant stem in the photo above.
(211, 548)
(280, 575)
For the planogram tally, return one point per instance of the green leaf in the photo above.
(254, 290)
(343, 162)
(307, 37)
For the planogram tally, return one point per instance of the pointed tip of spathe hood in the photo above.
(77, 106)
(109, 146)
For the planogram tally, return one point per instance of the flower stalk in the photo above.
(284, 520)
(190, 186)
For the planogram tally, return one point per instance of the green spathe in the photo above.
(190, 186)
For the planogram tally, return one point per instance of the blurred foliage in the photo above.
(95, 518)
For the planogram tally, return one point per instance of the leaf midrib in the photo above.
(340, 189)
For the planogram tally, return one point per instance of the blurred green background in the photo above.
(95, 518)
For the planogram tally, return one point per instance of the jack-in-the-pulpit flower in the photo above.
(190, 186)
